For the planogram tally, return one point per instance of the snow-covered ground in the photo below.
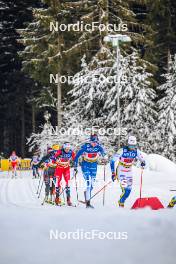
(25, 225)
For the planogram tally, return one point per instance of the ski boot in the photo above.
(121, 204)
(88, 205)
(46, 199)
(58, 201)
(69, 203)
(50, 200)
(172, 203)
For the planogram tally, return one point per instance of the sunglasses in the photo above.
(132, 146)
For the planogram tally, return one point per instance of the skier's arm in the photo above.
(58, 153)
(45, 158)
(79, 153)
(141, 158)
(31, 163)
(114, 159)
(102, 152)
(73, 155)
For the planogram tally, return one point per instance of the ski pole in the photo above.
(63, 189)
(76, 187)
(63, 194)
(40, 189)
(43, 200)
(99, 191)
(39, 184)
(104, 182)
(140, 196)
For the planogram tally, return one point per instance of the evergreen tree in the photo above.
(161, 16)
(90, 87)
(136, 99)
(53, 52)
(15, 111)
(166, 128)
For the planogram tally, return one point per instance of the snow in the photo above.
(25, 224)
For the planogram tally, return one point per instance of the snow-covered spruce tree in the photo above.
(94, 96)
(136, 100)
(138, 95)
(166, 127)
(90, 86)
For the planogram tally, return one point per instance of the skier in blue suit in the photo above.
(90, 153)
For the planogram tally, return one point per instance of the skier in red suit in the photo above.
(14, 161)
(62, 160)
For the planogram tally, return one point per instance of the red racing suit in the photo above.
(62, 160)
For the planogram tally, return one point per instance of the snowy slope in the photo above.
(25, 224)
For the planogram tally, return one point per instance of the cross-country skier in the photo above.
(62, 161)
(125, 158)
(172, 202)
(14, 162)
(34, 165)
(49, 174)
(50, 153)
(90, 152)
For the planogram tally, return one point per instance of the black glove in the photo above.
(75, 169)
(143, 164)
(113, 176)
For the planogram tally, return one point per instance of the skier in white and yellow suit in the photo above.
(125, 158)
(172, 202)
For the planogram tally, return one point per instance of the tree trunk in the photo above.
(168, 59)
(59, 102)
(22, 131)
(103, 18)
(33, 118)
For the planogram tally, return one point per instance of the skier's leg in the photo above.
(13, 172)
(67, 180)
(52, 183)
(58, 174)
(172, 202)
(33, 171)
(37, 172)
(125, 184)
(46, 180)
(89, 174)
(93, 170)
(13, 164)
(87, 178)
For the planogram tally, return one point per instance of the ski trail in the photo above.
(4, 188)
(18, 192)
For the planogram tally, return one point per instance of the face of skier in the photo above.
(93, 143)
(132, 147)
(93, 140)
(13, 153)
(67, 147)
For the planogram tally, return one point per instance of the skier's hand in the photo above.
(143, 164)
(75, 169)
(113, 176)
(104, 161)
